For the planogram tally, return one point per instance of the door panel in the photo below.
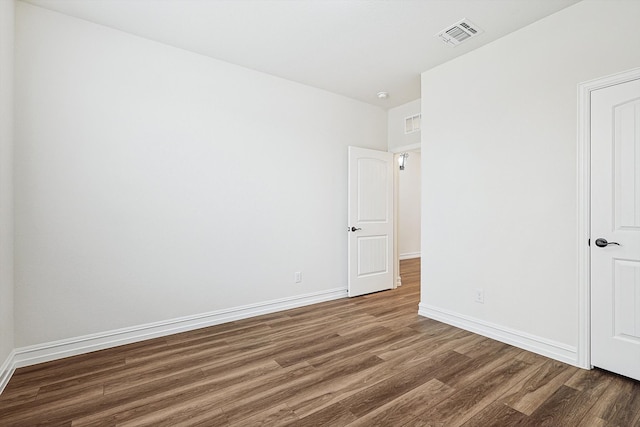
(627, 160)
(626, 291)
(615, 216)
(372, 195)
(372, 255)
(371, 219)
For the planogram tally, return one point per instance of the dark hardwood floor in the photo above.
(366, 361)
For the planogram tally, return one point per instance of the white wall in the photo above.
(6, 185)
(499, 174)
(153, 183)
(409, 198)
(396, 137)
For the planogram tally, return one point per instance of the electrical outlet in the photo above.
(297, 277)
(480, 296)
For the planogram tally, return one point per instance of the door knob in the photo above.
(601, 243)
(355, 229)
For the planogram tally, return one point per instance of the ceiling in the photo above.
(355, 48)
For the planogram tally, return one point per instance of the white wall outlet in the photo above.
(297, 277)
(480, 296)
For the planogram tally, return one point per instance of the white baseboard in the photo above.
(545, 347)
(46, 352)
(410, 255)
(6, 370)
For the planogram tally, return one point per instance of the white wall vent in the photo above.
(459, 32)
(412, 123)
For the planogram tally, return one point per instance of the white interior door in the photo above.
(370, 221)
(615, 217)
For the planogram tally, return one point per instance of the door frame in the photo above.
(396, 206)
(584, 206)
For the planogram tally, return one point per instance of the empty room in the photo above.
(319, 212)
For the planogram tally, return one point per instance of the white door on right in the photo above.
(615, 228)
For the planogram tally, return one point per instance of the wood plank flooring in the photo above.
(366, 361)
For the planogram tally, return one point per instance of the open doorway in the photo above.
(408, 212)
(409, 207)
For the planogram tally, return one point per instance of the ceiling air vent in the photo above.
(459, 32)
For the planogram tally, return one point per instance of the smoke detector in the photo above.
(459, 32)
